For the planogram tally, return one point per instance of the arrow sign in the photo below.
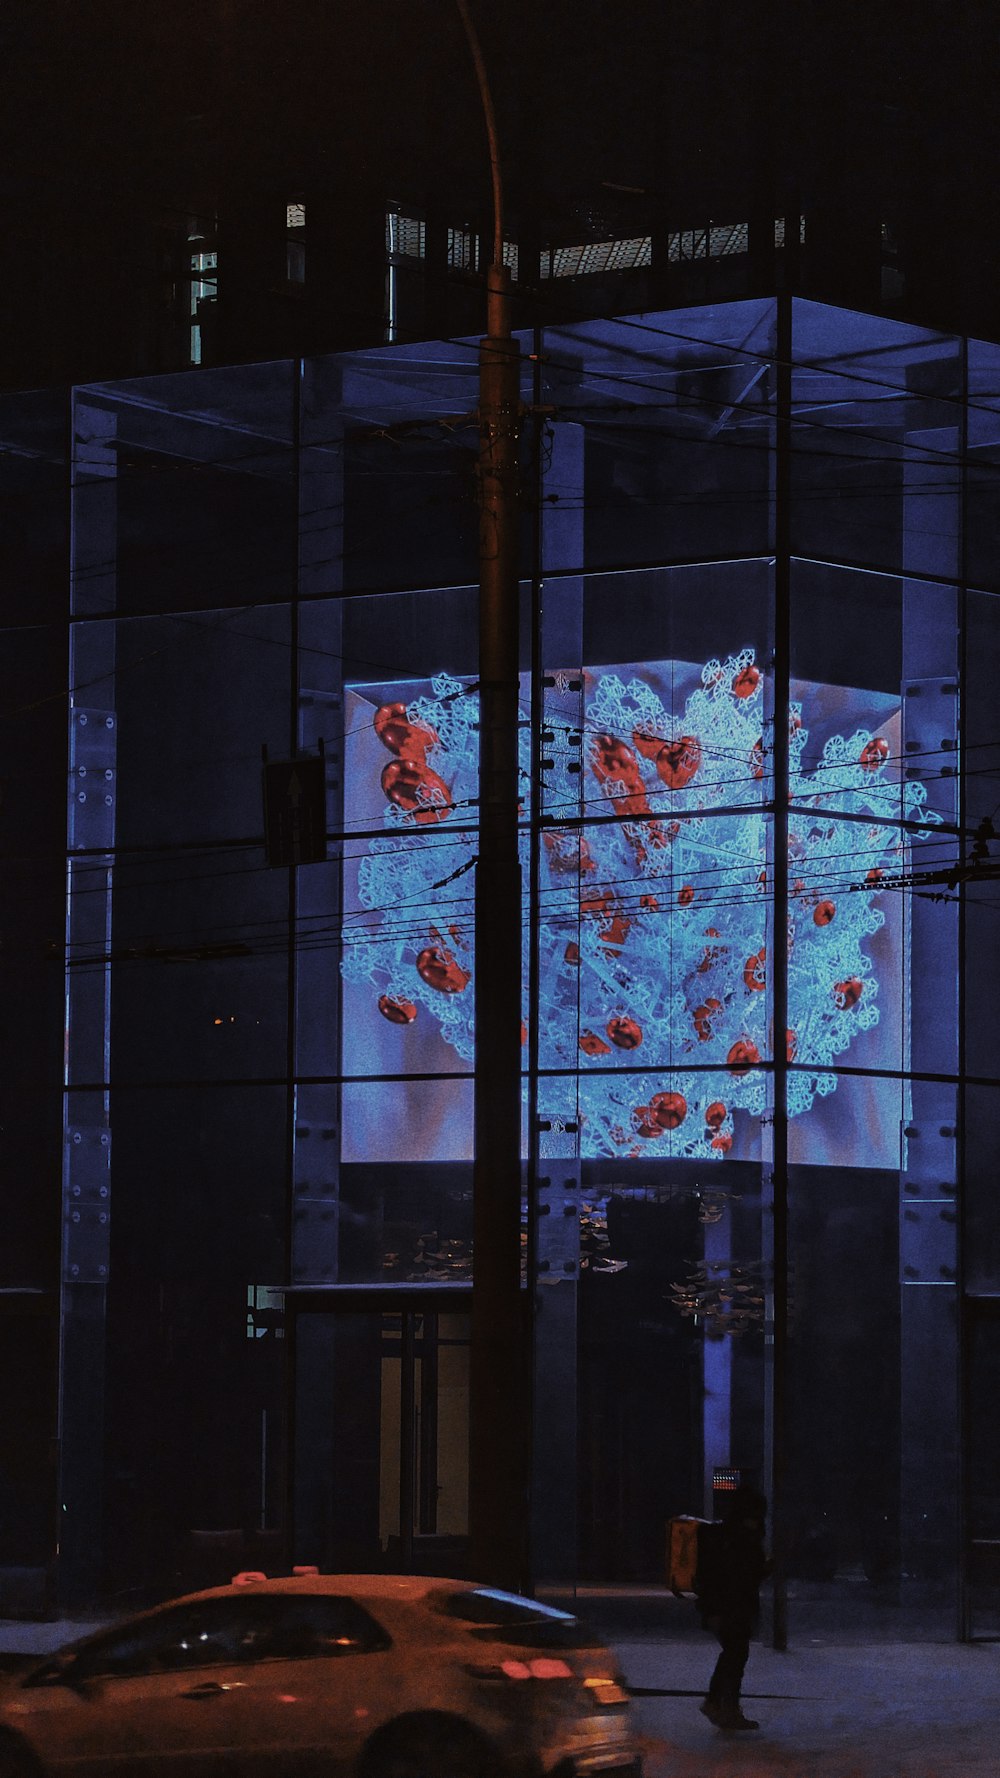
(295, 811)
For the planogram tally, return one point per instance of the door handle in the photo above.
(210, 1689)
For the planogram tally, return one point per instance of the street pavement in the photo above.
(831, 1707)
(882, 1710)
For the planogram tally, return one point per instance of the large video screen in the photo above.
(655, 915)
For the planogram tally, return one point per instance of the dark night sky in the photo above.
(637, 92)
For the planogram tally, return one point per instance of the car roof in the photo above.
(410, 1588)
(376, 1589)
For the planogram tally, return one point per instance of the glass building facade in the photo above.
(753, 520)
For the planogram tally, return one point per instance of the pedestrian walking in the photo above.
(728, 1588)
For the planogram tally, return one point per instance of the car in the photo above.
(326, 1676)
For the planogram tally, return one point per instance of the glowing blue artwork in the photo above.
(654, 925)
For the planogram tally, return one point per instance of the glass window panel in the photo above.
(185, 487)
(678, 430)
(709, 1115)
(401, 422)
(197, 696)
(875, 672)
(654, 960)
(410, 794)
(872, 954)
(982, 1225)
(843, 1440)
(982, 508)
(660, 671)
(34, 516)
(847, 1120)
(876, 441)
(408, 1221)
(422, 1120)
(199, 949)
(184, 1251)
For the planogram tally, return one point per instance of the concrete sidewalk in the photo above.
(890, 1710)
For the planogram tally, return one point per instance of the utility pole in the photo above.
(499, 1382)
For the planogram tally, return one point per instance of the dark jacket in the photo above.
(732, 1586)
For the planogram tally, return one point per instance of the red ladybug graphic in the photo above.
(669, 1109)
(644, 1123)
(742, 1056)
(625, 1033)
(617, 932)
(711, 953)
(677, 761)
(648, 745)
(613, 762)
(572, 953)
(849, 992)
(874, 753)
(757, 759)
(599, 903)
(592, 1045)
(412, 786)
(397, 1010)
(746, 682)
(723, 1142)
(437, 967)
(824, 912)
(703, 1016)
(408, 740)
(753, 971)
(685, 895)
(650, 902)
(791, 1046)
(715, 1114)
(567, 853)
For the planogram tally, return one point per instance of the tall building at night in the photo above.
(239, 1179)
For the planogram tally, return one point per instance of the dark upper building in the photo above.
(235, 180)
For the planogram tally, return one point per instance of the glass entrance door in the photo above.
(424, 1441)
(381, 1439)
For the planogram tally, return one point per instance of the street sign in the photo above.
(295, 810)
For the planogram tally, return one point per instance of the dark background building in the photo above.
(211, 182)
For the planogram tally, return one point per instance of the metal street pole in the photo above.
(499, 1381)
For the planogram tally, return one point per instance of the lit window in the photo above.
(596, 256)
(463, 249)
(780, 230)
(265, 1312)
(405, 236)
(295, 242)
(203, 285)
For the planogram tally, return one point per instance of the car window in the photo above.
(493, 1616)
(216, 1632)
(308, 1626)
(188, 1637)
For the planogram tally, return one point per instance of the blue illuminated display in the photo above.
(654, 926)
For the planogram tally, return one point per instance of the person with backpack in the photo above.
(727, 1585)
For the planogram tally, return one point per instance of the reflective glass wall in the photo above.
(737, 523)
